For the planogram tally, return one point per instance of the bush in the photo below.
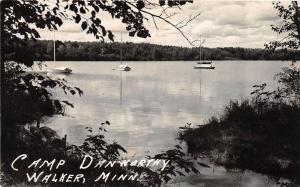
(261, 134)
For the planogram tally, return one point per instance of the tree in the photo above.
(289, 26)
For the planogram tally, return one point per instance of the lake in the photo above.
(147, 105)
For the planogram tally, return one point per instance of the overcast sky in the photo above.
(221, 23)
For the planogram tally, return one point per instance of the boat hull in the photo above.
(61, 70)
(201, 67)
(123, 68)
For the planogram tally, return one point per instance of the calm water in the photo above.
(147, 105)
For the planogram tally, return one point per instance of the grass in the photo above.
(251, 135)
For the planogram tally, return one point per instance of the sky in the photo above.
(221, 24)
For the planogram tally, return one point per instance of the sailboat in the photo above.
(62, 69)
(203, 64)
(122, 67)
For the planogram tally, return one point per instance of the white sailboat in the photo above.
(62, 69)
(203, 64)
(122, 67)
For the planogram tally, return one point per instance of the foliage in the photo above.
(180, 165)
(97, 147)
(48, 145)
(290, 78)
(27, 99)
(288, 91)
(289, 27)
(250, 137)
(96, 51)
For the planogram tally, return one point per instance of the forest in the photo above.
(98, 51)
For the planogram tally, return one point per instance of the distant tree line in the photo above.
(98, 51)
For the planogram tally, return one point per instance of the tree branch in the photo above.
(165, 19)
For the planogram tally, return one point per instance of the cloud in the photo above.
(236, 23)
(222, 23)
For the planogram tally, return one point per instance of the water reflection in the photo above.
(154, 98)
(146, 106)
(121, 88)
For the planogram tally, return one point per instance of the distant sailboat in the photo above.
(62, 69)
(203, 64)
(122, 67)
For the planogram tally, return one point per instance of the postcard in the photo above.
(190, 93)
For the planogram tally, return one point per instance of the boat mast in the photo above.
(200, 52)
(121, 88)
(121, 55)
(54, 55)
